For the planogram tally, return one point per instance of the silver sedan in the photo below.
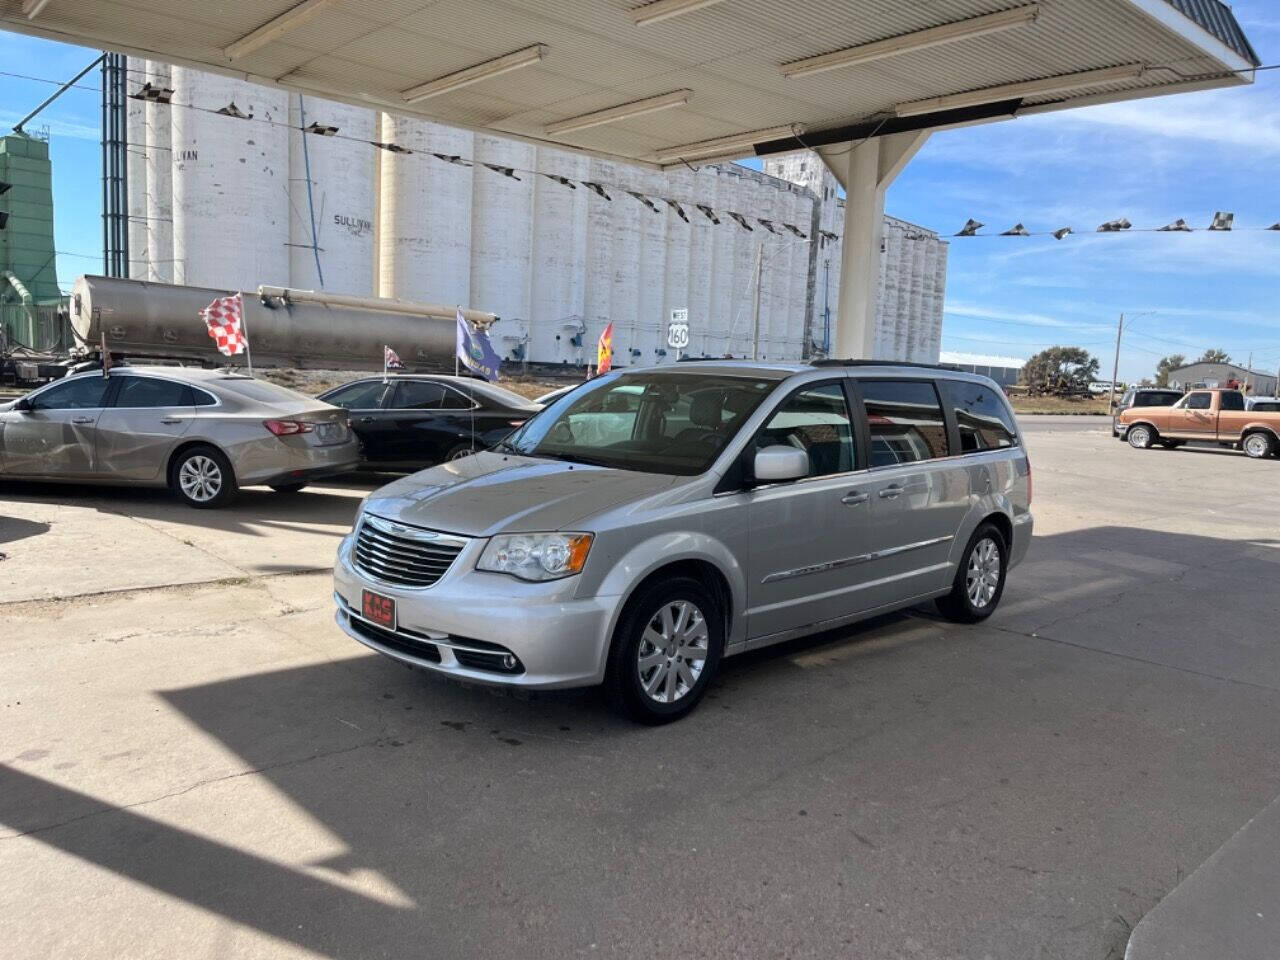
(202, 433)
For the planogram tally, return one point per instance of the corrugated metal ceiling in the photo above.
(728, 54)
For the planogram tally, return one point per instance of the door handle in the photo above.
(171, 420)
(891, 491)
(364, 419)
(82, 419)
(853, 497)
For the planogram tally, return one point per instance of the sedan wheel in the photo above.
(458, 453)
(203, 478)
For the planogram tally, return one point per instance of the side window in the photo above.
(1231, 400)
(366, 395)
(984, 421)
(202, 399)
(815, 420)
(456, 399)
(1199, 401)
(905, 421)
(418, 395)
(79, 394)
(151, 392)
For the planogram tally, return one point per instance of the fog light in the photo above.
(508, 661)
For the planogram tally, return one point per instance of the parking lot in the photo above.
(194, 761)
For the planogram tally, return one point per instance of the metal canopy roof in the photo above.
(655, 81)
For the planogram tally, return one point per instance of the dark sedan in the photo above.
(415, 421)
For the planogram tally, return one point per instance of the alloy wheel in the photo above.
(672, 651)
(983, 575)
(200, 478)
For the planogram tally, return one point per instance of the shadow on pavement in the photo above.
(15, 528)
(982, 789)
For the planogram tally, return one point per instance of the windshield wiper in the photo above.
(507, 446)
(575, 458)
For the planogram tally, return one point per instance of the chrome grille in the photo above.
(404, 556)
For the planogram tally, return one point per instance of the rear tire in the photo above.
(460, 451)
(979, 583)
(289, 488)
(665, 650)
(202, 477)
(1141, 437)
(1258, 445)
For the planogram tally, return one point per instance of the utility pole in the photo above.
(1115, 369)
(1248, 372)
(755, 304)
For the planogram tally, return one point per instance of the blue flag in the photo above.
(475, 352)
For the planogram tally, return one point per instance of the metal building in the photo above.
(1220, 374)
(1003, 370)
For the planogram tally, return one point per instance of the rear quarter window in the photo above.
(984, 421)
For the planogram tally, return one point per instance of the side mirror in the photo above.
(777, 463)
(22, 405)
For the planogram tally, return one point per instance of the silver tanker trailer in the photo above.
(286, 328)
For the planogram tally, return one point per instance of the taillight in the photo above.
(515, 423)
(1029, 484)
(287, 428)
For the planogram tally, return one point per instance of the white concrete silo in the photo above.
(936, 301)
(653, 235)
(626, 223)
(230, 183)
(724, 295)
(746, 244)
(136, 160)
(559, 255)
(158, 121)
(801, 250)
(502, 227)
(701, 243)
(598, 267)
(424, 222)
(331, 198)
(675, 285)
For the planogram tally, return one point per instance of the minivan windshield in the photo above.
(652, 421)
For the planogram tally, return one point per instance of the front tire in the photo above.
(202, 477)
(979, 583)
(665, 650)
(1259, 446)
(1140, 437)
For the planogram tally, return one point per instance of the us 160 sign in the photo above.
(678, 330)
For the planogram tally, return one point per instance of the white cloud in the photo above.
(1234, 118)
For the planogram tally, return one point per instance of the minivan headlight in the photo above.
(536, 556)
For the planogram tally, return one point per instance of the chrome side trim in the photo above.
(851, 561)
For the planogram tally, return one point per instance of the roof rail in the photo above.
(883, 363)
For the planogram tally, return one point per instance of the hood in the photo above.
(491, 493)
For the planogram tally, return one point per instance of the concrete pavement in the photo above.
(211, 769)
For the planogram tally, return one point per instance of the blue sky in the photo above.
(1151, 161)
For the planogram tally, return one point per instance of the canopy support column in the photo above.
(865, 170)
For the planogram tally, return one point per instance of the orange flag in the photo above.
(604, 350)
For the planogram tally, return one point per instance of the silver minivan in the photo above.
(651, 522)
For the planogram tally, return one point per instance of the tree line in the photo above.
(1068, 370)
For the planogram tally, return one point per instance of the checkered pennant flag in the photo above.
(225, 320)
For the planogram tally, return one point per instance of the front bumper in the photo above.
(558, 639)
